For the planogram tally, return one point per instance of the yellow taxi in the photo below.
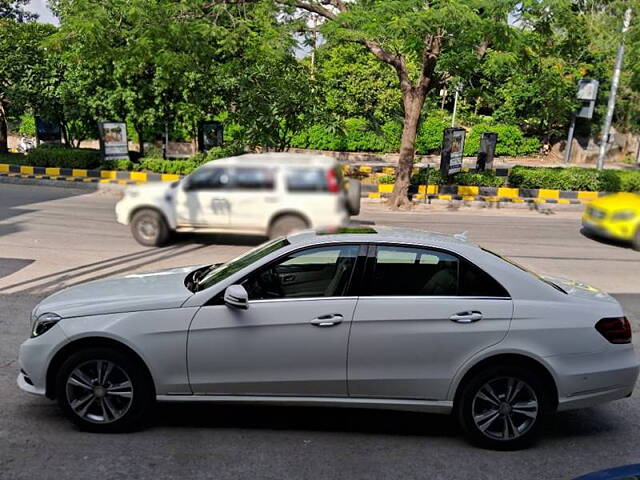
(614, 216)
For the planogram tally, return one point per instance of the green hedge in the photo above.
(511, 140)
(48, 156)
(575, 178)
(432, 176)
(12, 158)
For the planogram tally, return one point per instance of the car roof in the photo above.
(278, 159)
(379, 234)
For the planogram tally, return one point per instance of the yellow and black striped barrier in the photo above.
(83, 175)
(492, 194)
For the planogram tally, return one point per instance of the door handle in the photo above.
(327, 320)
(466, 317)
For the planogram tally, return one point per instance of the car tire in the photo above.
(285, 225)
(150, 228)
(484, 415)
(354, 189)
(118, 402)
(635, 243)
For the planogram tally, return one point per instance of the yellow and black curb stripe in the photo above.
(492, 194)
(391, 170)
(83, 175)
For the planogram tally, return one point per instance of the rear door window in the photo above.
(306, 180)
(409, 271)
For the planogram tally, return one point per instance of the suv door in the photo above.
(201, 198)
(252, 197)
(291, 340)
(422, 314)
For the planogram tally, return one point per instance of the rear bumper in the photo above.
(592, 379)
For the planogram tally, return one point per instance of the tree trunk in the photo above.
(140, 140)
(4, 131)
(413, 101)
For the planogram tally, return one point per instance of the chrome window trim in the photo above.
(381, 297)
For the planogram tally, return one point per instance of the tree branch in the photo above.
(430, 54)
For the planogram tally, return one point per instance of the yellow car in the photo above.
(614, 216)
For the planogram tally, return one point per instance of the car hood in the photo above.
(142, 291)
(579, 289)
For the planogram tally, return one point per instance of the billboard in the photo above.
(488, 141)
(452, 151)
(210, 134)
(113, 140)
(48, 131)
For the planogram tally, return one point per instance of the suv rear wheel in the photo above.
(285, 225)
(149, 228)
(503, 408)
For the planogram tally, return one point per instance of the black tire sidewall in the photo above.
(635, 242)
(143, 391)
(353, 197)
(163, 229)
(465, 415)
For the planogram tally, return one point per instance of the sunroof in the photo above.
(346, 230)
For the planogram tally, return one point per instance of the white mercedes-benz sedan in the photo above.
(354, 317)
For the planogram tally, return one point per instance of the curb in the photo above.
(61, 183)
(83, 175)
(492, 194)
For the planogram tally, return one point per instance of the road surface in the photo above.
(52, 237)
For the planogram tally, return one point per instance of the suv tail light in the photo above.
(616, 330)
(332, 181)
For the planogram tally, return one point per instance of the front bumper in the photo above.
(619, 230)
(34, 358)
(122, 212)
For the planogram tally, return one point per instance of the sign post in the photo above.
(113, 141)
(452, 151)
(587, 94)
(210, 134)
(48, 131)
(488, 141)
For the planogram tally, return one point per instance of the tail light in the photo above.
(332, 181)
(616, 330)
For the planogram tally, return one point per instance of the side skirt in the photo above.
(428, 406)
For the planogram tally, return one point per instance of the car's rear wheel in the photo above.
(285, 225)
(103, 390)
(503, 408)
(150, 228)
(636, 239)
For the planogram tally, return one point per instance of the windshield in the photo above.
(227, 269)
(524, 269)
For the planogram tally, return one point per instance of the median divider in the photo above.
(426, 193)
(83, 175)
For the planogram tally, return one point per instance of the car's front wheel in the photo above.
(150, 228)
(503, 408)
(103, 390)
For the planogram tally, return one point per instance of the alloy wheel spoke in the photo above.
(107, 372)
(515, 391)
(487, 423)
(486, 398)
(483, 416)
(81, 405)
(510, 382)
(108, 407)
(516, 432)
(121, 390)
(505, 427)
(77, 381)
(491, 394)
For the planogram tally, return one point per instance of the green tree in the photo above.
(426, 43)
(15, 10)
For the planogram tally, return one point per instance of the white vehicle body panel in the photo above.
(397, 352)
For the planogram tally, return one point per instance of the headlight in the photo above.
(43, 323)
(623, 215)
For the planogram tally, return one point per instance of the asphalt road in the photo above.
(52, 237)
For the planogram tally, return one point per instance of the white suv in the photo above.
(269, 194)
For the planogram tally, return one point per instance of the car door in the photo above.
(422, 314)
(292, 338)
(252, 197)
(201, 199)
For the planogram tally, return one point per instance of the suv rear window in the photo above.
(307, 180)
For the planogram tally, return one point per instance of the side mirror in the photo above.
(236, 296)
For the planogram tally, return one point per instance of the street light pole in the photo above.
(455, 108)
(612, 95)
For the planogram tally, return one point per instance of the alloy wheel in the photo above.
(99, 391)
(505, 408)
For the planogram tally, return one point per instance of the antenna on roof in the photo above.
(461, 236)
